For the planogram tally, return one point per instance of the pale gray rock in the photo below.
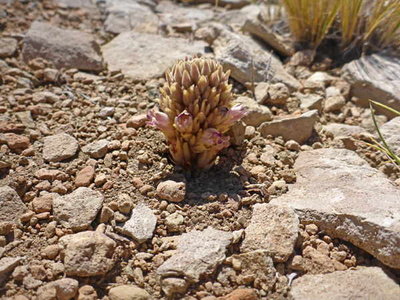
(361, 283)
(96, 149)
(59, 147)
(343, 130)
(11, 208)
(63, 289)
(236, 18)
(249, 61)
(391, 134)
(171, 190)
(178, 16)
(143, 56)
(8, 47)
(310, 101)
(375, 77)
(7, 265)
(65, 48)
(261, 30)
(141, 224)
(87, 253)
(334, 104)
(273, 229)
(338, 191)
(256, 113)
(78, 209)
(198, 253)
(128, 15)
(76, 3)
(297, 128)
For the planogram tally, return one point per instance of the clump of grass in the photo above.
(361, 25)
(310, 20)
(383, 147)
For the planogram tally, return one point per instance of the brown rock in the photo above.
(17, 142)
(137, 121)
(241, 294)
(85, 176)
(43, 203)
(171, 190)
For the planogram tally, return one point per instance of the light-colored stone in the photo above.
(344, 196)
(128, 292)
(248, 61)
(310, 101)
(76, 3)
(59, 147)
(171, 190)
(141, 224)
(173, 221)
(172, 286)
(11, 208)
(362, 283)
(198, 254)
(62, 289)
(297, 128)
(77, 209)
(65, 48)
(87, 253)
(334, 104)
(96, 149)
(343, 130)
(139, 55)
(127, 15)
(391, 134)
(7, 265)
(272, 228)
(256, 113)
(8, 46)
(375, 77)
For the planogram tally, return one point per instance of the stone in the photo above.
(172, 286)
(391, 134)
(17, 142)
(65, 48)
(45, 97)
(198, 254)
(339, 192)
(137, 121)
(241, 294)
(138, 55)
(177, 16)
(46, 174)
(310, 101)
(96, 149)
(8, 47)
(126, 15)
(375, 77)
(255, 266)
(256, 113)
(43, 203)
(361, 283)
(272, 228)
(249, 62)
(61, 289)
(78, 209)
(85, 176)
(141, 224)
(334, 104)
(76, 4)
(171, 190)
(128, 292)
(343, 130)
(87, 292)
(237, 133)
(321, 77)
(297, 128)
(173, 221)
(59, 147)
(7, 265)
(227, 3)
(11, 208)
(235, 18)
(87, 253)
(258, 28)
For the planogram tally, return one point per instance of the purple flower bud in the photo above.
(184, 122)
(236, 113)
(160, 120)
(212, 138)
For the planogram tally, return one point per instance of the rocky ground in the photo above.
(91, 206)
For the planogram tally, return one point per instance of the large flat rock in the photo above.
(362, 283)
(65, 48)
(343, 195)
(144, 56)
(375, 77)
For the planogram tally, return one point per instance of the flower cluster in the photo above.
(196, 112)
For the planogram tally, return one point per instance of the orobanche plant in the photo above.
(196, 111)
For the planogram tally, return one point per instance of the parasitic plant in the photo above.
(196, 111)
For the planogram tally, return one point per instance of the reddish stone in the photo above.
(17, 142)
(85, 176)
(137, 121)
(241, 294)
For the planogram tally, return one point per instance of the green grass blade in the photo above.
(386, 107)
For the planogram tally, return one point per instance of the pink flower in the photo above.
(236, 113)
(161, 121)
(212, 138)
(184, 122)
